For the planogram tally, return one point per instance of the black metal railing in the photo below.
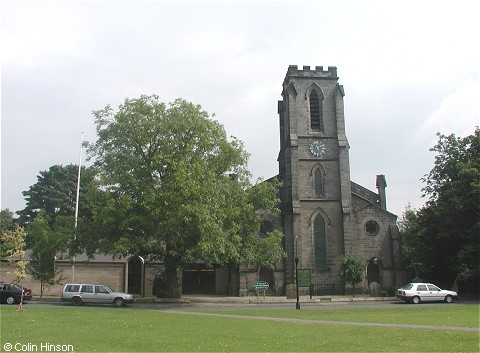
(324, 289)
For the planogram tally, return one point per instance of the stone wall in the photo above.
(110, 274)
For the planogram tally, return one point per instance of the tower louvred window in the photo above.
(315, 111)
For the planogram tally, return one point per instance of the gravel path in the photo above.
(328, 322)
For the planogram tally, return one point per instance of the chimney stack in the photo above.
(381, 185)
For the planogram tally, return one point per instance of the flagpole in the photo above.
(76, 207)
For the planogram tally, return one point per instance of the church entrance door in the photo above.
(373, 277)
(198, 279)
(373, 271)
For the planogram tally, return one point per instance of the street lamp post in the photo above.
(296, 283)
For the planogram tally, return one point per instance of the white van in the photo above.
(79, 294)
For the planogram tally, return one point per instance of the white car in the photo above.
(425, 292)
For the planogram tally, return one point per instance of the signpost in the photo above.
(305, 279)
(261, 285)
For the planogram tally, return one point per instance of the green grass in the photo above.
(107, 329)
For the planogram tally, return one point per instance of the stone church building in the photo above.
(324, 215)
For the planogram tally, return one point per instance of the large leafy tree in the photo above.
(443, 238)
(245, 241)
(175, 185)
(412, 244)
(55, 193)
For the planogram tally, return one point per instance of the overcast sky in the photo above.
(409, 69)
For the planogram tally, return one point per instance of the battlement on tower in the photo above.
(306, 71)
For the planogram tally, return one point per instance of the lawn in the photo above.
(107, 329)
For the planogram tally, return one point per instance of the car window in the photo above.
(87, 289)
(72, 288)
(433, 288)
(421, 287)
(101, 290)
(407, 286)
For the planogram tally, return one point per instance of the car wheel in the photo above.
(449, 299)
(119, 302)
(10, 300)
(77, 301)
(415, 300)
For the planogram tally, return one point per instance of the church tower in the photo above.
(315, 171)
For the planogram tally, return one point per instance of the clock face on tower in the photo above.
(317, 148)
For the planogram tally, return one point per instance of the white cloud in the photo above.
(457, 114)
(34, 34)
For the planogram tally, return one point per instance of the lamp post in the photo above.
(296, 283)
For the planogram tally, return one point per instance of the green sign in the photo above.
(261, 285)
(304, 277)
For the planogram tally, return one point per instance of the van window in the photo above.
(72, 288)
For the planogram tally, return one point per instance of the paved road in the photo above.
(279, 306)
(265, 306)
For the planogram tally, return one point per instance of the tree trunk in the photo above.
(171, 272)
(233, 280)
(230, 284)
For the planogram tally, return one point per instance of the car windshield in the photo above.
(407, 286)
(109, 289)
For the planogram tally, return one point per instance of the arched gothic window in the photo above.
(320, 244)
(316, 118)
(317, 182)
